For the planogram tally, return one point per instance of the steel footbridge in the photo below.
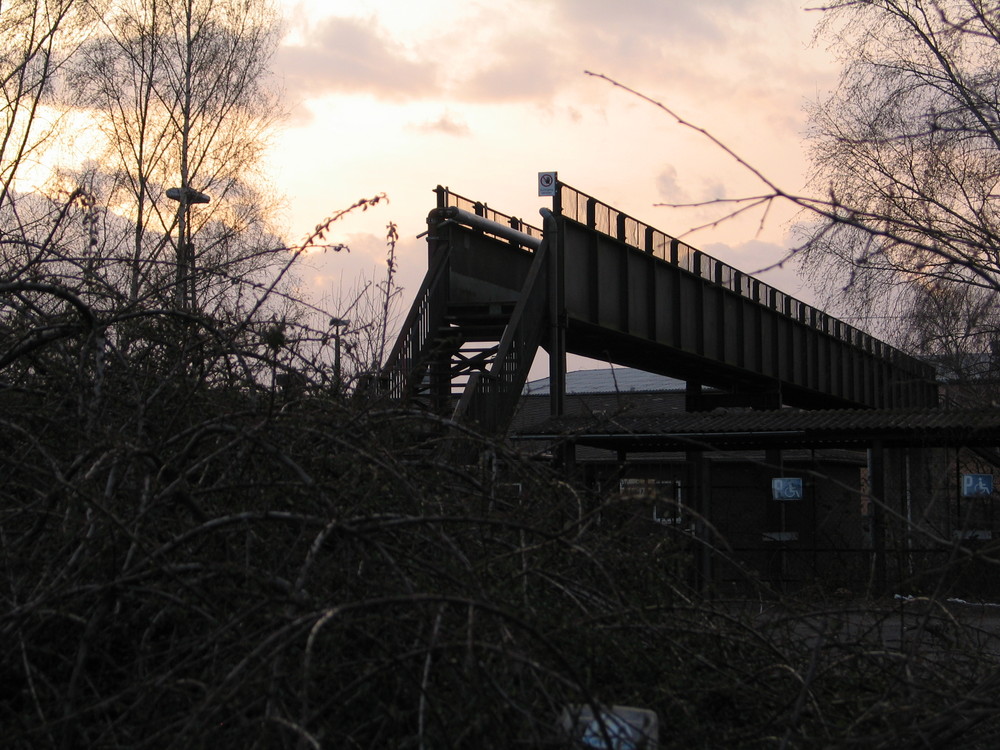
(595, 282)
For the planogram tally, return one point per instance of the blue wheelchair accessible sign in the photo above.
(786, 488)
(977, 485)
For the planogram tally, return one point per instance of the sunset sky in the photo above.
(398, 96)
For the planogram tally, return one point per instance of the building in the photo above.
(722, 476)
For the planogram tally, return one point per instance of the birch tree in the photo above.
(907, 165)
(181, 93)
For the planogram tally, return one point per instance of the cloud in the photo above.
(668, 189)
(483, 62)
(516, 68)
(671, 191)
(512, 79)
(766, 261)
(703, 49)
(353, 55)
(446, 124)
(687, 23)
(712, 190)
(525, 51)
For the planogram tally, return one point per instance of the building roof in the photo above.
(627, 409)
(601, 392)
(783, 428)
(608, 380)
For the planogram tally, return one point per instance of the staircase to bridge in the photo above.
(595, 282)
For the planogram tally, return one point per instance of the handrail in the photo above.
(488, 226)
(402, 364)
(405, 363)
(446, 198)
(592, 213)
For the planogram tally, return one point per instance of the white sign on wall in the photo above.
(977, 485)
(547, 183)
(786, 488)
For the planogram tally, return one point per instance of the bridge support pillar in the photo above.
(700, 483)
(877, 483)
(557, 320)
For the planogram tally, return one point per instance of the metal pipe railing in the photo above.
(447, 199)
(489, 226)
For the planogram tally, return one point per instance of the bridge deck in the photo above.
(633, 295)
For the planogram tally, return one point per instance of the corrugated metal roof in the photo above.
(534, 409)
(608, 380)
(742, 429)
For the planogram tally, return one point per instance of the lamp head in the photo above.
(189, 195)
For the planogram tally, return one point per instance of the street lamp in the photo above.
(336, 324)
(185, 197)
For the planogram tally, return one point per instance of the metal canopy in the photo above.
(784, 429)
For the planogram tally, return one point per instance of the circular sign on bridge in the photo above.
(547, 183)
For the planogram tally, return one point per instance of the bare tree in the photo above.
(907, 151)
(371, 310)
(906, 155)
(181, 92)
(958, 326)
(37, 38)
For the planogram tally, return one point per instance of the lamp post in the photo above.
(336, 324)
(185, 197)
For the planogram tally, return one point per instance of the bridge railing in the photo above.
(490, 399)
(446, 198)
(406, 364)
(594, 214)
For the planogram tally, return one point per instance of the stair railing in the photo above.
(407, 363)
(490, 398)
